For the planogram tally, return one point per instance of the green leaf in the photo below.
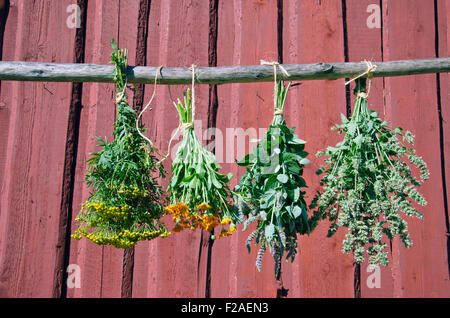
(296, 141)
(289, 156)
(270, 182)
(187, 178)
(215, 182)
(268, 198)
(293, 167)
(282, 178)
(304, 161)
(296, 211)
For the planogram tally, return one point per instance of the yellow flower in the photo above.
(168, 210)
(182, 208)
(225, 221)
(204, 206)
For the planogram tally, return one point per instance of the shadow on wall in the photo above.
(4, 10)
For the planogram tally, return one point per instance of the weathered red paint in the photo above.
(101, 267)
(315, 33)
(443, 19)
(423, 271)
(35, 151)
(365, 43)
(33, 124)
(170, 266)
(252, 37)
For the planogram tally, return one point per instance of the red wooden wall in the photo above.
(39, 185)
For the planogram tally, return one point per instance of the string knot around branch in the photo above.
(275, 65)
(277, 111)
(370, 69)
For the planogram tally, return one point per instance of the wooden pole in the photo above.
(53, 72)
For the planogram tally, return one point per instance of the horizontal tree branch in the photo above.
(53, 72)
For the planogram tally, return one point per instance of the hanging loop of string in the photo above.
(275, 64)
(182, 126)
(145, 108)
(370, 69)
(277, 111)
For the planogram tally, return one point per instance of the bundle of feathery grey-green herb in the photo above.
(367, 182)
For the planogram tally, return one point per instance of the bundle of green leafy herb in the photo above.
(367, 182)
(199, 194)
(270, 192)
(125, 204)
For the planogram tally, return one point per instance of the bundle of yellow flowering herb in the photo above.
(199, 194)
(367, 182)
(270, 192)
(125, 204)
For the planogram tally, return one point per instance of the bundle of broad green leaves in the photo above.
(125, 204)
(199, 194)
(367, 182)
(270, 192)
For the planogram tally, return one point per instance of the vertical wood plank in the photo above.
(365, 43)
(70, 155)
(247, 34)
(4, 111)
(101, 266)
(145, 267)
(35, 150)
(8, 49)
(314, 33)
(443, 22)
(419, 271)
(171, 265)
(128, 20)
(7, 114)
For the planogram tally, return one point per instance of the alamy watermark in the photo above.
(74, 18)
(374, 19)
(374, 279)
(74, 276)
(231, 144)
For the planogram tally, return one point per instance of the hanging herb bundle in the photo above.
(270, 192)
(199, 194)
(125, 204)
(367, 182)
